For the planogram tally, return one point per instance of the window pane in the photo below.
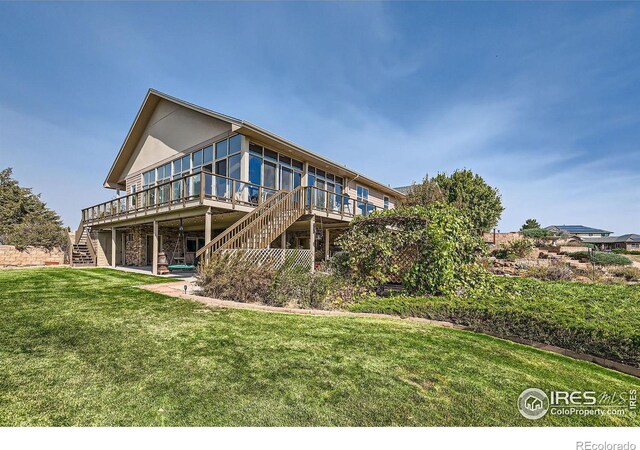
(160, 172)
(285, 160)
(311, 180)
(234, 166)
(297, 164)
(253, 148)
(339, 180)
(270, 154)
(255, 169)
(207, 156)
(297, 179)
(286, 179)
(186, 163)
(177, 166)
(197, 158)
(152, 177)
(235, 144)
(269, 174)
(221, 149)
(221, 167)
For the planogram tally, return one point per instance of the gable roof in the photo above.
(613, 239)
(577, 229)
(152, 99)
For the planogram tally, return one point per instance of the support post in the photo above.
(123, 243)
(326, 244)
(154, 264)
(113, 247)
(312, 242)
(207, 226)
(283, 240)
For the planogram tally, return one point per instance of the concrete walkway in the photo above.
(177, 290)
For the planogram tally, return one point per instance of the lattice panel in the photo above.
(275, 258)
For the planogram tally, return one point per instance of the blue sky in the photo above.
(541, 99)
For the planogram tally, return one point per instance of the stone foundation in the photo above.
(135, 243)
(31, 256)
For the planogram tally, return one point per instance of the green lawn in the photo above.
(599, 319)
(85, 347)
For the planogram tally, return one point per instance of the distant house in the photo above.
(627, 242)
(578, 230)
(404, 189)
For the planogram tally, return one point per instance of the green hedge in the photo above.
(601, 320)
(604, 258)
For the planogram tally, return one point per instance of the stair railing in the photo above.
(263, 229)
(92, 249)
(230, 232)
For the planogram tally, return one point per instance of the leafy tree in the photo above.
(536, 233)
(530, 224)
(24, 218)
(466, 191)
(425, 193)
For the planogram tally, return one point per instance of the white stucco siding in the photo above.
(171, 129)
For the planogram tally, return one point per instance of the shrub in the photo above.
(302, 289)
(432, 250)
(536, 233)
(623, 251)
(518, 248)
(230, 277)
(628, 273)
(552, 272)
(603, 258)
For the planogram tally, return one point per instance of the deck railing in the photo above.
(179, 192)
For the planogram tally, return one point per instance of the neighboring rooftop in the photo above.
(577, 229)
(403, 189)
(613, 239)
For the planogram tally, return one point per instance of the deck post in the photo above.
(326, 244)
(154, 264)
(113, 246)
(207, 226)
(283, 240)
(312, 241)
(123, 243)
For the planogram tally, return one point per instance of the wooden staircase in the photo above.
(261, 226)
(81, 254)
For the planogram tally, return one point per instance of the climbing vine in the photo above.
(430, 250)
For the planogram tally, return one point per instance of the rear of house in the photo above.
(191, 181)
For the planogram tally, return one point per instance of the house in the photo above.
(578, 230)
(189, 181)
(629, 242)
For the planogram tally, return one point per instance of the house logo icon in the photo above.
(533, 403)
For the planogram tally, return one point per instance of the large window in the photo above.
(330, 189)
(272, 171)
(227, 165)
(363, 200)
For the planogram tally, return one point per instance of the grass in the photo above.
(598, 319)
(85, 347)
